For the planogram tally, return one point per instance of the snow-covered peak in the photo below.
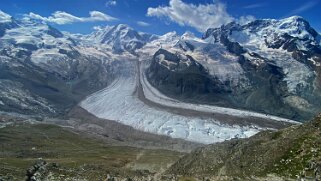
(102, 34)
(123, 27)
(120, 31)
(188, 35)
(294, 18)
(4, 17)
(120, 38)
(293, 33)
(294, 26)
(170, 34)
(168, 37)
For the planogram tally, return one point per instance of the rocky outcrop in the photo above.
(37, 171)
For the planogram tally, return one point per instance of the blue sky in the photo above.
(159, 16)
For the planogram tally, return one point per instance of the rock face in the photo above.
(182, 74)
(270, 66)
(290, 153)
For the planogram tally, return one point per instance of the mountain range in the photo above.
(269, 66)
(245, 88)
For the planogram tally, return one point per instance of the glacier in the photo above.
(119, 102)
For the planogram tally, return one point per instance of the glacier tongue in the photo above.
(118, 102)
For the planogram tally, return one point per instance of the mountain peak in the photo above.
(121, 37)
(188, 35)
(115, 28)
(294, 18)
(170, 34)
(296, 21)
(294, 26)
(122, 26)
(297, 26)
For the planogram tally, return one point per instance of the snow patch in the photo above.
(46, 55)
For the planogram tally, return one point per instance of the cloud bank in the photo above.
(61, 17)
(254, 6)
(201, 16)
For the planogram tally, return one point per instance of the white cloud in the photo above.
(254, 6)
(60, 17)
(142, 23)
(201, 16)
(111, 3)
(4, 17)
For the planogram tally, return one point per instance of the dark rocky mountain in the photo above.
(178, 73)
